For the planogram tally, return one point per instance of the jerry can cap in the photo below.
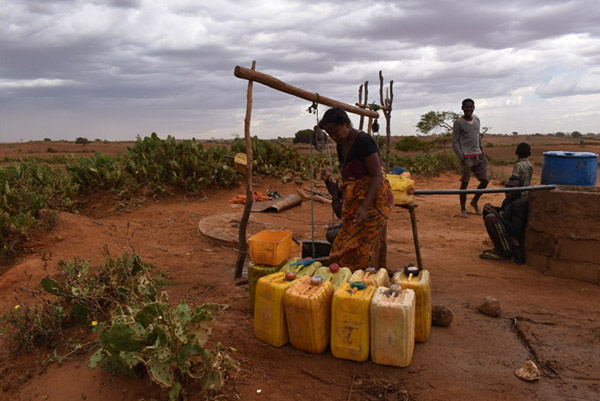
(395, 288)
(411, 269)
(316, 280)
(358, 284)
(290, 276)
(370, 270)
(334, 267)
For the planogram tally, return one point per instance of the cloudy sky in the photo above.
(115, 69)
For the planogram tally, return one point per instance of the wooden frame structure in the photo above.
(363, 110)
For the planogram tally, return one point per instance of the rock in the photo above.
(441, 316)
(528, 371)
(490, 306)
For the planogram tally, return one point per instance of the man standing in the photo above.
(466, 142)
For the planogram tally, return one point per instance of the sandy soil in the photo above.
(554, 322)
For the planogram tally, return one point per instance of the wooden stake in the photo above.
(239, 267)
(272, 82)
(366, 98)
(360, 102)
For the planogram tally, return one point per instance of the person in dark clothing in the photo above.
(506, 225)
(336, 204)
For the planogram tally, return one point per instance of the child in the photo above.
(523, 168)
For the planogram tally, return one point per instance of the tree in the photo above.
(82, 141)
(576, 134)
(433, 121)
(515, 133)
(303, 136)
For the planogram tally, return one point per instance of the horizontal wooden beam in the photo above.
(272, 82)
(370, 107)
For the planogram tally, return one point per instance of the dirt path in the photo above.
(553, 321)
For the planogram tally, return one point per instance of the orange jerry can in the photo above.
(254, 273)
(334, 273)
(370, 276)
(269, 312)
(350, 330)
(420, 282)
(393, 326)
(308, 313)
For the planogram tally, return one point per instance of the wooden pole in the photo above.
(366, 100)
(239, 267)
(272, 82)
(360, 102)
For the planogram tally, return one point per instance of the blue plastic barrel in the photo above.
(570, 168)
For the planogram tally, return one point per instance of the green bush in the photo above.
(185, 164)
(303, 136)
(413, 144)
(427, 165)
(25, 189)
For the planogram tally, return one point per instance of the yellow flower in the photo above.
(95, 323)
(17, 307)
(79, 275)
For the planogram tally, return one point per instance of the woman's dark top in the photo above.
(354, 166)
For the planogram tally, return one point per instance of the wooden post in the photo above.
(387, 113)
(362, 118)
(243, 250)
(272, 82)
(366, 101)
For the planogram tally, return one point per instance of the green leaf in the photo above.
(120, 338)
(199, 329)
(174, 393)
(161, 373)
(52, 286)
(81, 311)
(131, 359)
(96, 358)
(181, 316)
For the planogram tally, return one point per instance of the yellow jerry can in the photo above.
(370, 276)
(308, 313)
(393, 326)
(302, 267)
(350, 321)
(403, 188)
(334, 273)
(269, 312)
(420, 282)
(254, 273)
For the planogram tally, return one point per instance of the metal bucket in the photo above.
(570, 168)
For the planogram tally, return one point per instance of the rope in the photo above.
(315, 105)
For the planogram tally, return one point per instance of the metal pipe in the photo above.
(481, 191)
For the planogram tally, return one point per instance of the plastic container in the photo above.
(308, 313)
(270, 248)
(255, 272)
(337, 275)
(570, 168)
(269, 312)
(240, 162)
(350, 330)
(300, 270)
(393, 326)
(369, 276)
(402, 187)
(420, 284)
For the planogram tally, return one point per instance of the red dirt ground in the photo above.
(553, 321)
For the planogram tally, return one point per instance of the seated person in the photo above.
(506, 225)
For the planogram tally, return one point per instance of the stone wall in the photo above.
(562, 238)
